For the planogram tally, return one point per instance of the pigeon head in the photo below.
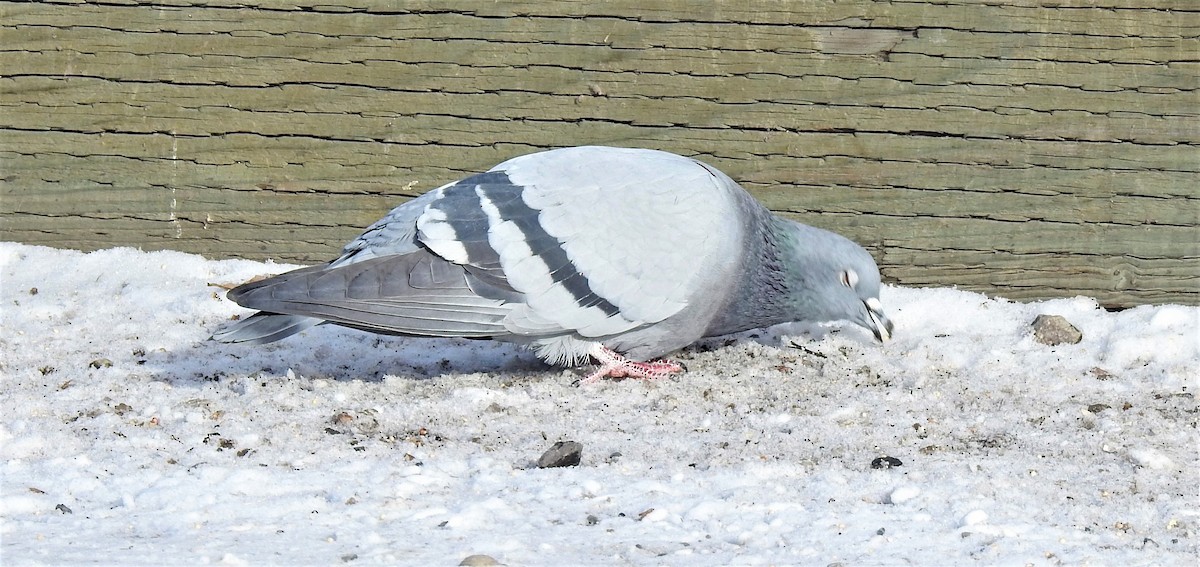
(830, 278)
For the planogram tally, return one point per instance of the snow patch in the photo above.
(127, 436)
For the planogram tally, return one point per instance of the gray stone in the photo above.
(561, 454)
(478, 560)
(1055, 330)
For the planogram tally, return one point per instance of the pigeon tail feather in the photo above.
(264, 327)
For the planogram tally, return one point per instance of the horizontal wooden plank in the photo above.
(92, 105)
(303, 244)
(371, 201)
(283, 37)
(621, 88)
(925, 63)
(1160, 18)
(1007, 205)
(291, 60)
(1135, 5)
(957, 44)
(257, 159)
(1115, 281)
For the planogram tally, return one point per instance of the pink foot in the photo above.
(613, 365)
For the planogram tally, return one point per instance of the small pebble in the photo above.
(100, 363)
(885, 462)
(1100, 373)
(1055, 330)
(349, 422)
(478, 560)
(561, 454)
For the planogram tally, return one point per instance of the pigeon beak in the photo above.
(881, 327)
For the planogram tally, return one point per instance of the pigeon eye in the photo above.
(849, 278)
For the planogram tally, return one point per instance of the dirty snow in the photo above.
(126, 437)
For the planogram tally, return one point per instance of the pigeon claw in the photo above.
(613, 365)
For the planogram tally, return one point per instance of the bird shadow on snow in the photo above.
(333, 353)
(346, 354)
(338, 354)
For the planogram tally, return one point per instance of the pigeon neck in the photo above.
(761, 281)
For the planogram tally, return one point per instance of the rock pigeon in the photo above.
(615, 254)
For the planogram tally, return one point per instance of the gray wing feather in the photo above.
(455, 226)
(395, 233)
(412, 294)
(262, 328)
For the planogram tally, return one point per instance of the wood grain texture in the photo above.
(1030, 150)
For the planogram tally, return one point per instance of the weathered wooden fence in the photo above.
(1029, 150)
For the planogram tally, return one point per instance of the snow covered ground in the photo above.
(126, 437)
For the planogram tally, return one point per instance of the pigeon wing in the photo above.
(410, 294)
(599, 241)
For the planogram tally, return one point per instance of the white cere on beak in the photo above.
(873, 304)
